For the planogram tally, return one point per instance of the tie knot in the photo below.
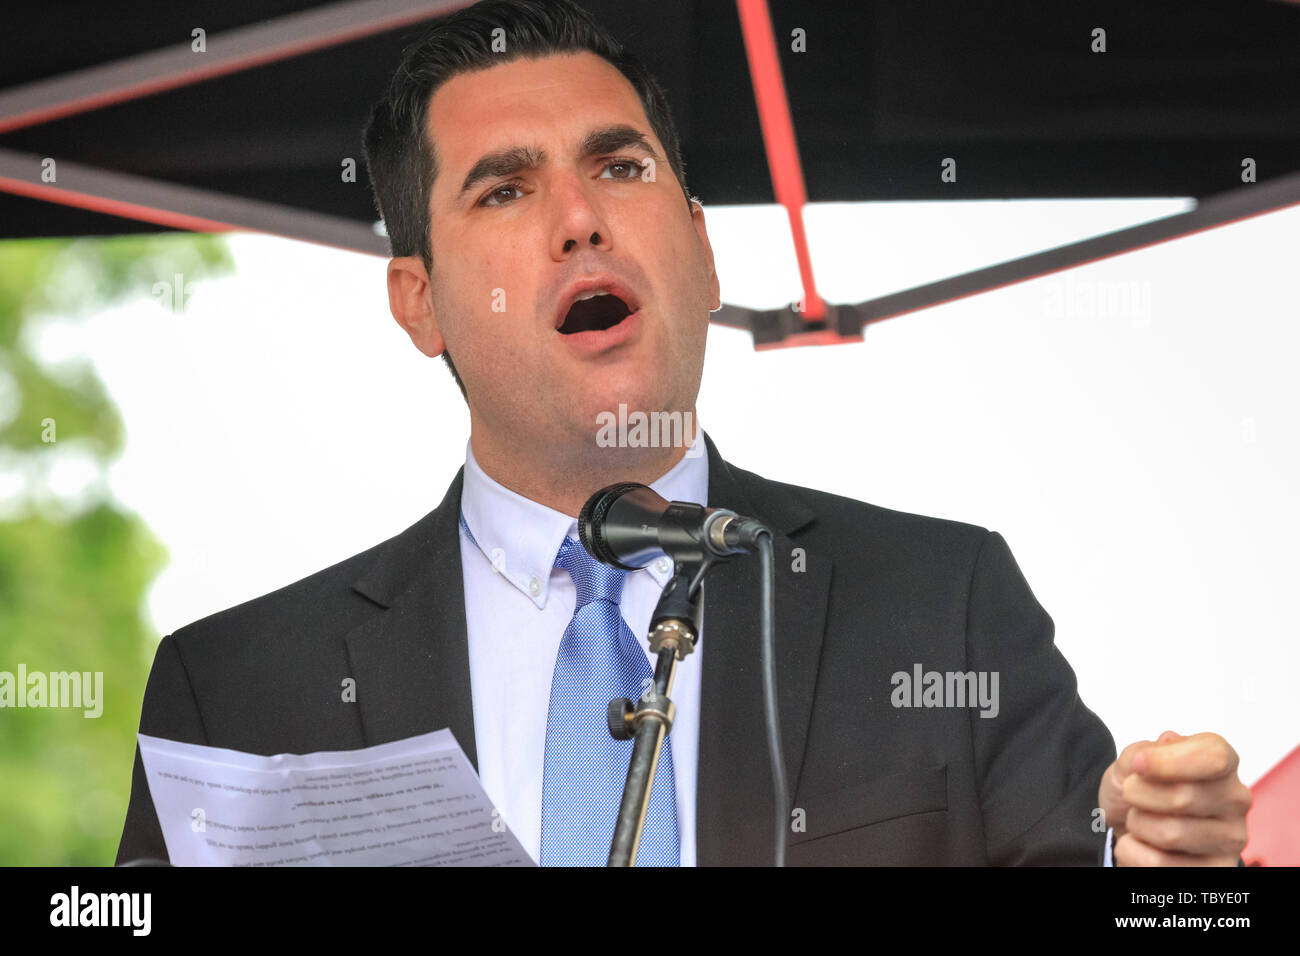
(592, 580)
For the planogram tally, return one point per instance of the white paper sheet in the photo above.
(413, 802)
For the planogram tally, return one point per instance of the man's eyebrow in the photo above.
(514, 159)
(610, 139)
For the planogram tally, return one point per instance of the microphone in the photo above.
(629, 524)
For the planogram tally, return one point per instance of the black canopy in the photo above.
(148, 134)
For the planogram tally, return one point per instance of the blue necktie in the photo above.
(585, 768)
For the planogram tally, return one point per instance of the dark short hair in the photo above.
(403, 162)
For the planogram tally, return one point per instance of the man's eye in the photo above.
(634, 169)
(500, 189)
(631, 164)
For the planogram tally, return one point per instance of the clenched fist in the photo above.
(1176, 801)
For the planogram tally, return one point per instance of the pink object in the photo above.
(1274, 819)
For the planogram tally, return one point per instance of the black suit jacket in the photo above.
(862, 592)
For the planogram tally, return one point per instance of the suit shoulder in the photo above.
(831, 513)
(323, 601)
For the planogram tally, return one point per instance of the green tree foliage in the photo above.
(73, 574)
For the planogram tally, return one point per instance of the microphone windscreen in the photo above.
(591, 521)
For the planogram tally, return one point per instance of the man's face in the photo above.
(509, 249)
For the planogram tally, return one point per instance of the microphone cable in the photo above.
(767, 653)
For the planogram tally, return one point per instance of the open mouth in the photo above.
(594, 314)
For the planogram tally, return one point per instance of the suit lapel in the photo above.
(734, 798)
(411, 663)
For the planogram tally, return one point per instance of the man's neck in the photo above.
(564, 479)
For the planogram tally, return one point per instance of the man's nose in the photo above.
(578, 219)
(570, 244)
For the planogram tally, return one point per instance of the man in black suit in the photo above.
(490, 156)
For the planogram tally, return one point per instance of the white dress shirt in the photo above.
(517, 608)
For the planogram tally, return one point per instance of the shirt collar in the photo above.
(521, 537)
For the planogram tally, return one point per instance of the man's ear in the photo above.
(697, 219)
(411, 303)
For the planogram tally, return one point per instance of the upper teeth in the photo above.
(592, 294)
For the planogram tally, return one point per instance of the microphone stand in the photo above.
(697, 538)
(674, 630)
